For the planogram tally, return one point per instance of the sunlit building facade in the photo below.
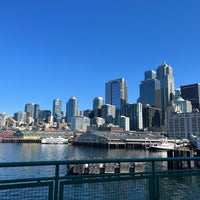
(134, 112)
(164, 73)
(116, 94)
(71, 109)
(108, 112)
(150, 90)
(57, 110)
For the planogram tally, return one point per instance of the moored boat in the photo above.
(163, 145)
(52, 140)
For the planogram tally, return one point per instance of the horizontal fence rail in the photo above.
(141, 178)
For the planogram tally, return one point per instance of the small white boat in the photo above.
(164, 145)
(52, 140)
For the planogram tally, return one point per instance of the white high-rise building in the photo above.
(182, 125)
(79, 123)
(124, 122)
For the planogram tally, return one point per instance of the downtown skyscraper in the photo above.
(150, 90)
(71, 109)
(29, 109)
(116, 94)
(192, 93)
(164, 73)
(157, 89)
(57, 110)
(32, 110)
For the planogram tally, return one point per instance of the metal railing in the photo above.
(144, 178)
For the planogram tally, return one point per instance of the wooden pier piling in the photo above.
(176, 164)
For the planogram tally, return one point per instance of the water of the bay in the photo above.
(22, 152)
(12, 152)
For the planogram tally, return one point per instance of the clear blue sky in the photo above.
(62, 48)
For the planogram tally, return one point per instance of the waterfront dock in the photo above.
(121, 142)
(19, 140)
(31, 136)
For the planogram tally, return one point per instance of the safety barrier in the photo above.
(141, 178)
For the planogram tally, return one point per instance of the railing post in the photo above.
(152, 184)
(56, 182)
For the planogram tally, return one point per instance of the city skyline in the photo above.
(52, 50)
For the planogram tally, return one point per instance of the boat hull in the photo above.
(58, 140)
(162, 147)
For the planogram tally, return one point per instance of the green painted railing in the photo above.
(144, 178)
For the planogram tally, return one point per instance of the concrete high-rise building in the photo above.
(57, 110)
(108, 112)
(124, 122)
(192, 93)
(182, 125)
(152, 117)
(134, 112)
(116, 94)
(98, 121)
(150, 90)
(97, 103)
(164, 73)
(71, 109)
(79, 123)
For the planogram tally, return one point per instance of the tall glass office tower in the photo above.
(29, 109)
(57, 110)
(71, 109)
(32, 110)
(158, 88)
(150, 90)
(116, 94)
(36, 111)
(164, 74)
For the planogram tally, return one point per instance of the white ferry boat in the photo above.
(52, 140)
(163, 146)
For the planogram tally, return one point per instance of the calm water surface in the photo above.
(11, 152)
